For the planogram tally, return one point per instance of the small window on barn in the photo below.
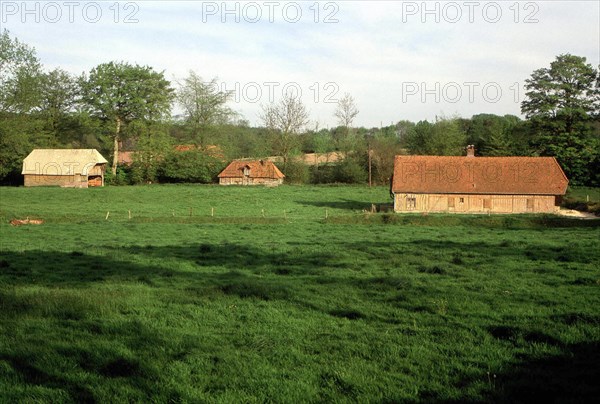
(411, 202)
(246, 171)
(450, 202)
(461, 200)
(487, 203)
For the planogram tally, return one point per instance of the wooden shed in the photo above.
(76, 168)
(255, 172)
(477, 184)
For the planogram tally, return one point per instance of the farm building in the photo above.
(257, 172)
(77, 168)
(477, 184)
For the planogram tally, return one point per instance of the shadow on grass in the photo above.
(347, 204)
(569, 377)
(227, 269)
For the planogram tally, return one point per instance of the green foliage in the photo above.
(445, 137)
(244, 308)
(296, 172)
(122, 177)
(190, 166)
(20, 76)
(122, 93)
(383, 152)
(204, 106)
(562, 103)
(152, 146)
(351, 171)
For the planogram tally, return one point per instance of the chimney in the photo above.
(471, 150)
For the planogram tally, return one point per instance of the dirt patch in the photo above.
(577, 214)
(21, 222)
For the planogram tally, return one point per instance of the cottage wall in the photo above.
(468, 203)
(38, 180)
(250, 181)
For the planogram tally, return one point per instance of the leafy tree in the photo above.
(562, 102)
(443, 138)
(152, 146)
(416, 140)
(20, 73)
(204, 106)
(59, 91)
(122, 93)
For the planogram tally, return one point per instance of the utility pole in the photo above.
(369, 152)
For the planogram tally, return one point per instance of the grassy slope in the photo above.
(241, 307)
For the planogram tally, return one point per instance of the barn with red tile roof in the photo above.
(256, 172)
(477, 184)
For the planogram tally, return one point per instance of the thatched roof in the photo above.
(478, 175)
(61, 161)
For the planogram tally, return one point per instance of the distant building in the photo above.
(257, 172)
(477, 184)
(77, 168)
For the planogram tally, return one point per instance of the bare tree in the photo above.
(286, 119)
(346, 111)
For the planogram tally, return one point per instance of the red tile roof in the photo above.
(257, 169)
(479, 175)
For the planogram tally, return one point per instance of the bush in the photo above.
(190, 166)
(350, 171)
(123, 176)
(323, 174)
(296, 172)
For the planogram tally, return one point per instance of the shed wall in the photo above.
(74, 181)
(250, 181)
(467, 203)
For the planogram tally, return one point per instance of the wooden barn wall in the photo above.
(474, 203)
(74, 181)
(98, 169)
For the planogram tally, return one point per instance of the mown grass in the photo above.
(252, 306)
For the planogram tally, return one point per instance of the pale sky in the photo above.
(398, 59)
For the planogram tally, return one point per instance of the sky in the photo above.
(399, 60)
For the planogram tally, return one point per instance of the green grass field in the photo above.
(214, 294)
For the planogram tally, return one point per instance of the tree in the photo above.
(20, 73)
(59, 96)
(443, 138)
(121, 93)
(383, 152)
(204, 105)
(561, 103)
(285, 119)
(346, 111)
(153, 144)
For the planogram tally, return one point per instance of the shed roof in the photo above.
(479, 175)
(61, 161)
(257, 169)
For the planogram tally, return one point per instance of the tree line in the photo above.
(120, 106)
